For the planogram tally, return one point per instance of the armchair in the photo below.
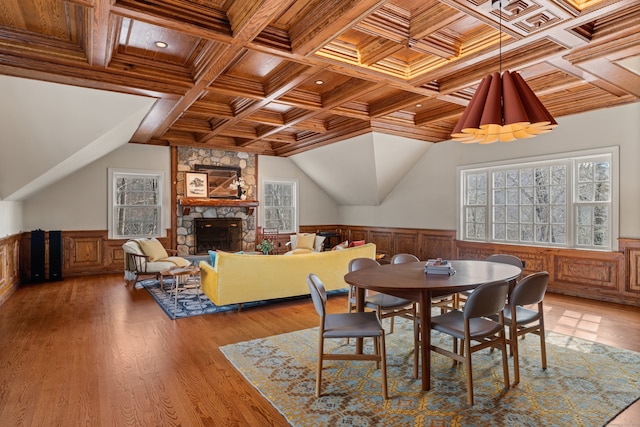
(148, 257)
(304, 243)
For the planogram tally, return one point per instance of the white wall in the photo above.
(10, 218)
(426, 197)
(316, 206)
(80, 201)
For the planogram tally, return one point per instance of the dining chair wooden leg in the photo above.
(319, 369)
(513, 349)
(505, 363)
(416, 343)
(469, 372)
(543, 346)
(383, 351)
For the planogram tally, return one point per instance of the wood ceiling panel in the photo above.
(241, 74)
(139, 39)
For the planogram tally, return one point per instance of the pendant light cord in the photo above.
(500, 56)
(500, 37)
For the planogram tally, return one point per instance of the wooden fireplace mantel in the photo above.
(188, 202)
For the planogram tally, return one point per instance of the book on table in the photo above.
(439, 266)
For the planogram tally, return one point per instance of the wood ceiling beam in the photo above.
(99, 51)
(377, 49)
(446, 112)
(394, 103)
(435, 17)
(267, 11)
(325, 20)
(285, 86)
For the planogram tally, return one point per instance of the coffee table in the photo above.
(411, 282)
(184, 278)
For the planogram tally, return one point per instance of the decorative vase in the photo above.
(243, 197)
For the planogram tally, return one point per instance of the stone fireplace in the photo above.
(234, 210)
(217, 233)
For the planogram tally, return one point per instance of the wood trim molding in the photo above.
(188, 202)
(9, 266)
(605, 276)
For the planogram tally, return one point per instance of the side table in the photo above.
(184, 278)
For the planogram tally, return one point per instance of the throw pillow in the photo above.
(153, 249)
(340, 246)
(356, 243)
(213, 254)
(305, 240)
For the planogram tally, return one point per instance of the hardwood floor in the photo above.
(90, 351)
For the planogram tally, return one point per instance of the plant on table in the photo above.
(266, 246)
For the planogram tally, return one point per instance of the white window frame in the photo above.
(113, 175)
(264, 182)
(572, 159)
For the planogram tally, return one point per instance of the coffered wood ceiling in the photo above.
(244, 74)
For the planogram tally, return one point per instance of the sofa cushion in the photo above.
(153, 249)
(176, 260)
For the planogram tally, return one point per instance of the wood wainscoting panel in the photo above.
(383, 240)
(633, 269)
(358, 234)
(9, 266)
(114, 255)
(591, 272)
(631, 250)
(406, 243)
(3, 267)
(436, 244)
(85, 254)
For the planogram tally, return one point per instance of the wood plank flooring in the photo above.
(90, 351)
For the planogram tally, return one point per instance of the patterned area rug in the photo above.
(189, 304)
(586, 384)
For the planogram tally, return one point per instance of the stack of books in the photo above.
(439, 266)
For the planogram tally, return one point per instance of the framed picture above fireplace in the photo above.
(195, 184)
(220, 180)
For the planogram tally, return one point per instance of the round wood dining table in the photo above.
(411, 282)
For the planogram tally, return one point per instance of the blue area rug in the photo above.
(189, 305)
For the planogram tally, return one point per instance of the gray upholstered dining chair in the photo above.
(386, 306)
(346, 325)
(521, 320)
(473, 323)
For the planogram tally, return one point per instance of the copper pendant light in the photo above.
(503, 108)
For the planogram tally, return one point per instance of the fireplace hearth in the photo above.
(218, 233)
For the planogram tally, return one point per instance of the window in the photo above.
(280, 205)
(564, 201)
(135, 204)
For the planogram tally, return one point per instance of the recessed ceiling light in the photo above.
(319, 82)
(161, 44)
(418, 105)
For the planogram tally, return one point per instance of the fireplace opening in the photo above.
(218, 233)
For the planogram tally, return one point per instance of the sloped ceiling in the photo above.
(363, 170)
(51, 130)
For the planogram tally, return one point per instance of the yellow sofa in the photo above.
(240, 278)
